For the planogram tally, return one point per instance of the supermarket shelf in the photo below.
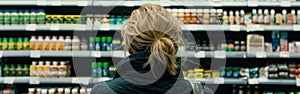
(46, 2)
(279, 82)
(219, 81)
(81, 27)
(65, 80)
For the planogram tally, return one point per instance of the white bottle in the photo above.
(39, 43)
(67, 91)
(254, 16)
(74, 91)
(53, 43)
(60, 43)
(284, 18)
(231, 18)
(266, 17)
(54, 69)
(32, 43)
(75, 43)
(60, 90)
(237, 18)
(68, 43)
(33, 71)
(46, 43)
(62, 69)
(272, 17)
(51, 91)
(31, 91)
(44, 91)
(260, 16)
(38, 91)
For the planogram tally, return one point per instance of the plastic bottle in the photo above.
(109, 44)
(54, 69)
(293, 12)
(44, 91)
(6, 17)
(82, 91)
(33, 17)
(67, 91)
(32, 43)
(26, 44)
(260, 17)
(62, 68)
(19, 44)
(75, 43)
(11, 44)
(25, 70)
(14, 18)
(105, 69)
(31, 91)
(237, 18)
(199, 16)
(213, 16)
(181, 15)
(289, 19)
(41, 16)
(206, 16)
(279, 19)
(272, 17)
(19, 71)
(112, 71)
(46, 69)
(39, 69)
(266, 17)
(51, 91)
(12, 70)
(26, 18)
(254, 17)
(4, 44)
(99, 69)
(98, 44)
(193, 16)
(21, 16)
(231, 18)
(103, 44)
(68, 43)
(1, 17)
(39, 43)
(84, 44)
(88, 90)
(75, 91)
(225, 18)
(219, 16)
(174, 12)
(60, 91)
(94, 69)
(187, 16)
(53, 43)
(92, 43)
(284, 17)
(38, 91)
(46, 43)
(61, 43)
(298, 17)
(6, 70)
(33, 69)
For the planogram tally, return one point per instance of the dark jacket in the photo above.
(130, 82)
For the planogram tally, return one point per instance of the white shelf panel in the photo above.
(214, 81)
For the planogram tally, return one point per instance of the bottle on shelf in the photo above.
(40, 18)
(39, 69)
(6, 70)
(94, 69)
(68, 43)
(84, 44)
(1, 17)
(19, 44)
(46, 69)
(62, 69)
(298, 17)
(98, 44)
(112, 71)
(206, 16)
(60, 43)
(21, 16)
(241, 91)
(26, 17)
(254, 16)
(284, 16)
(11, 44)
(14, 19)
(26, 44)
(260, 16)
(109, 44)
(213, 16)
(46, 43)
(19, 71)
(6, 17)
(44, 91)
(31, 91)
(33, 43)
(225, 18)
(67, 91)
(187, 16)
(5, 44)
(103, 44)
(33, 69)
(266, 17)
(92, 43)
(53, 43)
(181, 15)
(75, 91)
(75, 43)
(33, 16)
(60, 91)
(279, 19)
(25, 70)
(237, 18)
(54, 69)
(200, 16)
(231, 18)
(105, 69)
(99, 69)
(82, 91)
(248, 90)
(51, 91)
(219, 16)
(294, 16)
(273, 17)
(12, 70)
(193, 16)
(39, 43)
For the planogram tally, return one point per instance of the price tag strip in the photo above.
(296, 27)
(101, 79)
(253, 81)
(9, 80)
(285, 3)
(35, 54)
(285, 54)
(234, 28)
(31, 27)
(96, 54)
(219, 80)
(1, 54)
(81, 80)
(200, 54)
(55, 27)
(105, 27)
(252, 3)
(220, 54)
(298, 82)
(261, 54)
(34, 80)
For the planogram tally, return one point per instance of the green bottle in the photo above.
(26, 17)
(109, 44)
(12, 70)
(103, 44)
(99, 69)
(4, 44)
(97, 44)
(21, 16)
(19, 70)
(105, 69)
(112, 20)
(92, 43)
(26, 44)
(6, 16)
(14, 17)
(11, 44)
(19, 44)
(0, 43)
(25, 70)
(6, 70)
(1, 17)
(94, 69)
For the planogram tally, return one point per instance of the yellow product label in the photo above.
(19, 46)
(4, 46)
(46, 68)
(11, 45)
(39, 68)
(32, 68)
(26, 45)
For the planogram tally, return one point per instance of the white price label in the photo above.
(80, 27)
(75, 81)
(217, 3)
(255, 28)
(200, 54)
(1, 54)
(120, 54)
(54, 27)
(35, 54)
(285, 54)
(96, 54)
(297, 81)
(235, 27)
(56, 3)
(253, 81)
(82, 3)
(82, 80)
(34, 80)
(101, 79)
(9, 80)
(41, 2)
(220, 54)
(219, 81)
(31, 27)
(263, 79)
(191, 27)
(296, 27)
(105, 27)
(252, 3)
(286, 3)
(261, 54)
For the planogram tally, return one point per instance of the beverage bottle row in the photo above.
(22, 16)
(10, 70)
(61, 43)
(219, 16)
(67, 90)
(102, 69)
(46, 69)
(14, 43)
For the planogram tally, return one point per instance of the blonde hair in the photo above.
(151, 28)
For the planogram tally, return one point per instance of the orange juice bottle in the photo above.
(53, 43)
(46, 69)
(61, 43)
(39, 43)
(46, 43)
(32, 43)
(40, 69)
